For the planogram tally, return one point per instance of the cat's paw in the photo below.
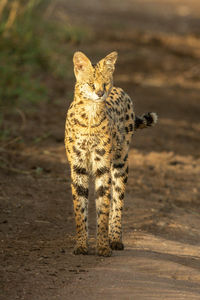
(80, 250)
(104, 251)
(116, 245)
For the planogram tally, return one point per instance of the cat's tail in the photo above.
(146, 120)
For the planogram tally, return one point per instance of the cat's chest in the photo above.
(88, 119)
(87, 142)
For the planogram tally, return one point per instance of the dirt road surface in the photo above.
(159, 51)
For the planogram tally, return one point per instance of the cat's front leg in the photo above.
(102, 188)
(80, 184)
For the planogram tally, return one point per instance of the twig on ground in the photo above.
(23, 117)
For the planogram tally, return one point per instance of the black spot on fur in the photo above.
(118, 166)
(81, 190)
(97, 158)
(118, 189)
(125, 179)
(101, 191)
(101, 171)
(118, 175)
(100, 212)
(100, 152)
(121, 196)
(126, 129)
(79, 170)
(76, 121)
(131, 127)
(96, 125)
(117, 156)
(76, 151)
(126, 157)
(107, 142)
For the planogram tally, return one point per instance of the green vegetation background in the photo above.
(34, 54)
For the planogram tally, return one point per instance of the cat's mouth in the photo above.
(98, 99)
(94, 97)
(102, 98)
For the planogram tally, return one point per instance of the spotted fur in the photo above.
(99, 126)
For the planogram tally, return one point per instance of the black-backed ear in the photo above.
(110, 60)
(82, 64)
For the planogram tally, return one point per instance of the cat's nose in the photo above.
(100, 93)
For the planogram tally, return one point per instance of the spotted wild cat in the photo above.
(99, 126)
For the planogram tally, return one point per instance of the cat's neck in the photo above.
(89, 106)
(89, 111)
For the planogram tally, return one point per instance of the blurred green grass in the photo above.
(34, 50)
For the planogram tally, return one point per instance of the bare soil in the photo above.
(159, 51)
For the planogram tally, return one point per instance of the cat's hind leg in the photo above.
(119, 173)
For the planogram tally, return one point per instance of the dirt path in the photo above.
(159, 50)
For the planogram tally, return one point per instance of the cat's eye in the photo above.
(93, 86)
(104, 85)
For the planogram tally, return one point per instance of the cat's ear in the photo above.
(82, 65)
(109, 61)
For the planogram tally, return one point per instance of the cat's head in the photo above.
(94, 82)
